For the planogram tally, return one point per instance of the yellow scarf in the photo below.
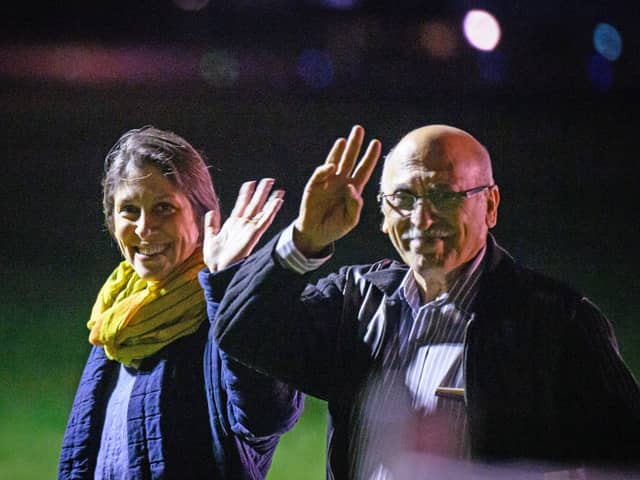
(133, 319)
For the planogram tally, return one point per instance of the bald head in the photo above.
(441, 147)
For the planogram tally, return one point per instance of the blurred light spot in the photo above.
(315, 68)
(341, 4)
(99, 65)
(491, 67)
(600, 72)
(219, 68)
(481, 29)
(438, 39)
(607, 41)
(191, 5)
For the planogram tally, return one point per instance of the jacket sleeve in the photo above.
(253, 405)
(610, 392)
(272, 321)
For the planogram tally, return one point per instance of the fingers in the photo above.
(259, 197)
(354, 206)
(320, 174)
(365, 168)
(244, 197)
(351, 151)
(212, 221)
(270, 210)
(336, 152)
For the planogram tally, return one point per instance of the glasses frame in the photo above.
(416, 198)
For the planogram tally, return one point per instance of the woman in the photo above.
(157, 399)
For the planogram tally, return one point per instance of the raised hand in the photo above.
(332, 199)
(249, 219)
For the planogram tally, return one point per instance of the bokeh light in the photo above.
(315, 68)
(340, 4)
(481, 29)
(607, 41)
(219, 68)
(438, 39)
(191, 5)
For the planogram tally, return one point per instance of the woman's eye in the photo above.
(165, 209)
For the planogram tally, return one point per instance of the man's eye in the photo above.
(443, 196)
(402, 200)
(129, 211)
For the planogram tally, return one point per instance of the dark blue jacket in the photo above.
(543, 376)
(193, 412)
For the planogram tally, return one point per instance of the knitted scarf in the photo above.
(133, 319)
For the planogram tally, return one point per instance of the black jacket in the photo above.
(543, 376)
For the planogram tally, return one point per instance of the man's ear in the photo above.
(493, 200)
(383, 226)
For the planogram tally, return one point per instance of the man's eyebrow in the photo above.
(403, 187)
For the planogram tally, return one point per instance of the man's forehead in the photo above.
(409, 157)
(406, 150)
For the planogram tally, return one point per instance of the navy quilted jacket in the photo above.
(193, 412)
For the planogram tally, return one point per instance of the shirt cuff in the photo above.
(291, 258)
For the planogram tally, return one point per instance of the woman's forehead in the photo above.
(144, 181)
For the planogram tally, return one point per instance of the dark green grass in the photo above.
(44, 347)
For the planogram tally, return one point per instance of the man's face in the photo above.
(435, 241)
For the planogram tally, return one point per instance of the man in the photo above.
(457, 353)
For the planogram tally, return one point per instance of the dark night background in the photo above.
(263, 88)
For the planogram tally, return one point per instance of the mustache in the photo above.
(431, 232)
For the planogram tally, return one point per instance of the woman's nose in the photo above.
(145, 225)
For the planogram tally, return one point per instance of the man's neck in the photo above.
(431, 285)
(437, 281)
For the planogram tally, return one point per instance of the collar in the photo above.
(462, 277)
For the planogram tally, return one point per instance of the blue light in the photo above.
(341, 4)
(315, 68)
(607, 41)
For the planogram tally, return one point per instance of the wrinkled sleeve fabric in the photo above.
(291, 258)
(252, 405)
(610, 392)
(273, 321)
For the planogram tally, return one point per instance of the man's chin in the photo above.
(425, 262)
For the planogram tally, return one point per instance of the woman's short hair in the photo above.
(178, 161)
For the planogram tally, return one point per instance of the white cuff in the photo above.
(291, 258)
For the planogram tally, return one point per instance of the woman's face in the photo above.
(154, 223)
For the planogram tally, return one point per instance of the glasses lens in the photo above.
(444, 200)
(402, 201)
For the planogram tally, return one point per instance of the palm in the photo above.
(250, 218)
(328, 210)
(332, 200)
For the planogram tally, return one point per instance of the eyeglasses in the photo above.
(404, 202)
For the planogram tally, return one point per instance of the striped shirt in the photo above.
(419, 382)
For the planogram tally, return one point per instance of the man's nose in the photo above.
(422, 215)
